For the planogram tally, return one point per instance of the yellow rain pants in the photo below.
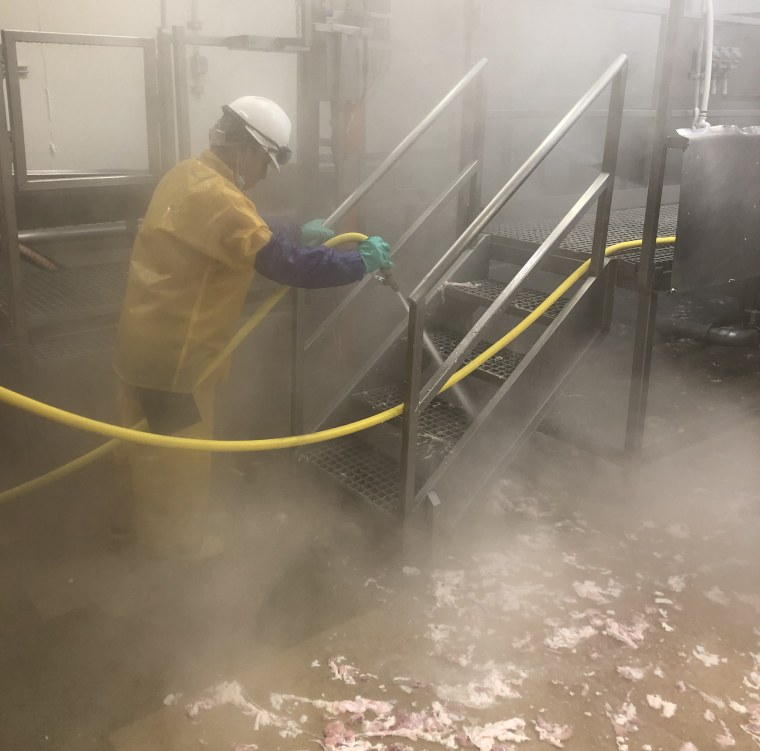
(163, 494)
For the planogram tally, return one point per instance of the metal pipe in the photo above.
(609, 165)
(659, 148)
(56, 37)
(181, 92)
(80, 232)
(10, 262)
(707, 333)
(560, 232)
(463, 177)
(37, 259)
(153, 117)
(733, 336)
(15, 118)
(404, 146)
(410, 419)
(168, 128)
(647, 297)
(517, 180)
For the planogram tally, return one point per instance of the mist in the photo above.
(551, 588)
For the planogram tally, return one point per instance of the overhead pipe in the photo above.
(708, 333)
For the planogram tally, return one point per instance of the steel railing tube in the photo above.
(555, 238)
(80, 232)
(461, 180)
(404, 146)
(518, 179)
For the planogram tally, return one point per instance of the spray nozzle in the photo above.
(386, 277)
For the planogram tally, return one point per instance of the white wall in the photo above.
(84, 107)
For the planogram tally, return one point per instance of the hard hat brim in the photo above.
(256, 137)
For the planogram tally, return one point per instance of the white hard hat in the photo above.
(267, 123)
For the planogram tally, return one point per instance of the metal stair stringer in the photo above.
(472, 263)
(518, 406)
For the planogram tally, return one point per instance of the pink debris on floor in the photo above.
(623, 718)
(551, 733)
(485, 738)
(631, 673)
(632, 635)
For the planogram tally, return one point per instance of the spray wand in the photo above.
(385, 276)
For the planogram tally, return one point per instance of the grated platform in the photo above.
(72, 292)
(487, 290)
(366, 471)
(499, 367)
(625, 225)
(441, 424)
(76, 345)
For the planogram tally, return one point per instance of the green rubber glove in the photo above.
(315, 233)
(375, 254)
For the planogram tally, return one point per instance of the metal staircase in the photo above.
(454, 454)
(439, 453)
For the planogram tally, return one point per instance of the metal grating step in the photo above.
(487, 290)
(625, 225)
(441, 424)
(499, 367)
(74, 346)
(76, 290)
(364, 470)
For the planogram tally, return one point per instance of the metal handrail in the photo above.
(458, 182)
(599, 191)
(517, 180)
(405, 145)
(555, 238)
(299, 344)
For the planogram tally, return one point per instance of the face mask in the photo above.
(238, 178)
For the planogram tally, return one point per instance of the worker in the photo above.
(195, 254)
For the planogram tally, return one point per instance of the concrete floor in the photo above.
(579, 601)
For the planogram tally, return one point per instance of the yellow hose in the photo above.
(91, 456)
(267, 444)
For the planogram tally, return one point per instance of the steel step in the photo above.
(497, 369)
(366, 471)
(441, 424)
(625, 224)
(485, 291)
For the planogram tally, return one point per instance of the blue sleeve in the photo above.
(285, 261)
(290, 230)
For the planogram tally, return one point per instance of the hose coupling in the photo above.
(385, 276)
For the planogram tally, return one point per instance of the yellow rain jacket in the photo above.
(191, 267)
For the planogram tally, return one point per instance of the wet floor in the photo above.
(580, 605)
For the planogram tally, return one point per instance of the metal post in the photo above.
(334, 52)
(181, 92)
(9, 250)
(473, 124)
(647, 310)
(642, 366)
(609, 165)
(411, 405)
(167, 103)
(297, 364)
(472, 149)
(152, 107)
(10, 63)
(307, 149)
